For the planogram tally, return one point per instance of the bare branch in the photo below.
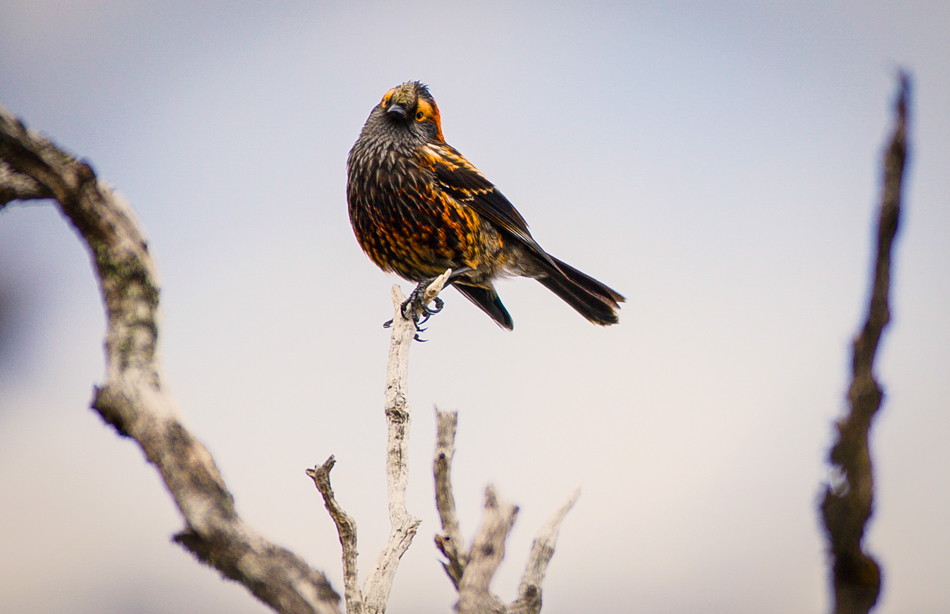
(485, 555)
(848, 502)
(133, 400)
(375, 594)
(16, 186)
(449, 542)
(435, 287)
(346, 528)
(398, 419)
(471, 571)
(542, 549)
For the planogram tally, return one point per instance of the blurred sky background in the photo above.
(716, 162)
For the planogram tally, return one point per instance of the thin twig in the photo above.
(375, 594)
(485, 555)
(398, 420)
(542, 549)
(848, 503)
(449, 542)
(346, 529)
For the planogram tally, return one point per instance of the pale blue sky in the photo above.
(715, 162)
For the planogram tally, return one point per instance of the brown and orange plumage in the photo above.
(418, 207)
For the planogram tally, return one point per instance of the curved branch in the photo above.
(16, 186)
(132, 398)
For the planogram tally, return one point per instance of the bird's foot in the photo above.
(415, 308)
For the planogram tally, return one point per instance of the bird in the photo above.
(418, 207)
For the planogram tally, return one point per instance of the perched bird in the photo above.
(418, 207)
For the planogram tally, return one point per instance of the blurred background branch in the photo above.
(17, 186)
(849, 499)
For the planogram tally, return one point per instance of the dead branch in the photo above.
(16, 186)
(848, 502)
(471, 571)
(132, 398)
(346, 529)
(542, 550)
(375, 594)
(449, 542)
(485, 555)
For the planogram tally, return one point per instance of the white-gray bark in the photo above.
(472, 569)
(375, 593)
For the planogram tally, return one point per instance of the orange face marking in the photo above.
(387, 97)
(429, 111)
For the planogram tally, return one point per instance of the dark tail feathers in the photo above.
(590, 298)
(487, 299)
(586, 295)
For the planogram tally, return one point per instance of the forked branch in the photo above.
(375, 594)
(471, 570)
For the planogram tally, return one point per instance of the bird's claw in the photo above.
(413, 308)
(419, 329)
(428, 312)
(439, 304)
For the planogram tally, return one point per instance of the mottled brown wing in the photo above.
(466, 184)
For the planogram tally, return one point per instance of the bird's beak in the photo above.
(397, 110)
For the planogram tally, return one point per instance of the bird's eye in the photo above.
(420, 116)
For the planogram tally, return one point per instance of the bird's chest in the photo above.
(404, 221)
(388, 189)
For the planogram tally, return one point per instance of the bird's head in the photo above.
(411, 107)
